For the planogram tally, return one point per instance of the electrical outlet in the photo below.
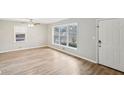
(19, 47)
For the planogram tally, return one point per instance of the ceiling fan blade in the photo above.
(36, 23)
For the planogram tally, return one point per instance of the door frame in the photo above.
(98, 20)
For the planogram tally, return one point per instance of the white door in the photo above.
(109, 35)
(121, 65)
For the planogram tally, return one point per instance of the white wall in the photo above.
(42, 35)
(86, 37)
(36, 36)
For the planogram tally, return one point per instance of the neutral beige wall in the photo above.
(86, 37)
(36, 36)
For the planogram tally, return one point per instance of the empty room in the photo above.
(61, 46)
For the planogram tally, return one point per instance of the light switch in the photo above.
(93, 37)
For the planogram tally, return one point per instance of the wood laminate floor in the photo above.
(46, 61)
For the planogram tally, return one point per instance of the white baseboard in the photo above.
(73, 54)
(23, 49)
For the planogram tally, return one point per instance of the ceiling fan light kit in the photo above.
(30, 25)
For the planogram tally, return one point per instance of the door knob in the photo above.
(99, 43)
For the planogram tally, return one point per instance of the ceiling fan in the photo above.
(31, 23)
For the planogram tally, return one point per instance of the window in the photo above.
(56, 35)
(20, 37)
(72, 36)
(66, 35)
(63, 35)
(19, 33)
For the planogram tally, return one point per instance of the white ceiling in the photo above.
(36, 20)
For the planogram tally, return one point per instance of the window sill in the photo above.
(65, 46)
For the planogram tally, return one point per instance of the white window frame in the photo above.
(53, 36)
(67, 36)
(63, 25)
(25, 32)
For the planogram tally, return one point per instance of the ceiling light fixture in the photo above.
(31, 24)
